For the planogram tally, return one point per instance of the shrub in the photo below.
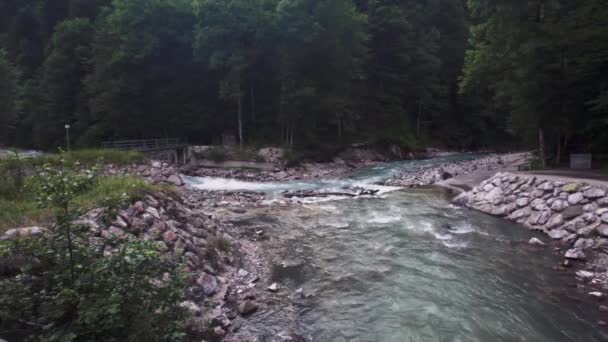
(217, 154)
(60, 288)
(131, 295)
(90, 157)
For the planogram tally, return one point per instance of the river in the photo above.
(409, 266)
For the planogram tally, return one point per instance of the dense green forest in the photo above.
(482, 73)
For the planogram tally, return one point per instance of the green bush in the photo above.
(90, 157)
(536, 164)
(131, 295)
(217, 154)
(60, 288)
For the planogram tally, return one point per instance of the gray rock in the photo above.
(590, 207)
(558, 234)
(488, 187)
(536, 242)
(597, 294)
(522, 202)
(539, 204)
(575, 254)
(274, 287)
(154, 212)
(500, 211)
(461, 199)
(247, 307)
(571, 187)
(19, 233)
(602, 230)
(534, 218)
(583, 243)
(594, 193)
(605, 218)
(575, 198)
(585, 274)
(537, 193)
(572, 212)
(175, 179)
(602, 202)
(120, 223)
(570, 239)
(544, 217)
(559, 205)
(589, 217)
(520, 213)
(585, 231)
(208, 283)
(546, 186)
(242, 273)
(555, 221)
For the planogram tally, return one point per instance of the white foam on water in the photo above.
(440, 236)
(451, 244)
(377, 218)
(311, 200)
(227, 184)
(337, 224)
(464, 228)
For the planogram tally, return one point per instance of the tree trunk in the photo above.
(419, 118)
(541, 147)
(240, 118)
(252, 102)
(558, 156)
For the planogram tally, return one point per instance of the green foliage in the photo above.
(9, 96)
(61, 288)
(535, 68)
(108, 156)
(131, 295)
(217, 154)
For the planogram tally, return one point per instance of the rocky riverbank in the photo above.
(439, 173)
(573, 214)
(230, 274)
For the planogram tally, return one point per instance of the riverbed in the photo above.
(407, 265)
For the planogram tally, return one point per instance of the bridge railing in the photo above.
(144, 145)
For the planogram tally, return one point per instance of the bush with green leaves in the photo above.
(217, 154)
(61, 287)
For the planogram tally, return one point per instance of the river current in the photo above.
(409, 266)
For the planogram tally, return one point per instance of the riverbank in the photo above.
(572, 213)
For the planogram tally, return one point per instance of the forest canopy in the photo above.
(461, 74)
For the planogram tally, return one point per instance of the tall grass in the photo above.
(21, 209)
(92, 156)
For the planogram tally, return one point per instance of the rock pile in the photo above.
(573, 213)
(433, 174)
(155, 171)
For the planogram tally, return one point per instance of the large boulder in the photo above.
(571, 187)
(247, 307)
(208, 283)
(572, 212)
(555, 221)
(575, 254)
(575, 198)
(602, 230)
(559, 205)
(558, 234)
(594, 193)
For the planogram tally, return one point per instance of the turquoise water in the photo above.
(410, 266)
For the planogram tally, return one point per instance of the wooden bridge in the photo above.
(151, 145)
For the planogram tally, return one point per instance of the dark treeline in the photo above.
(305, 72)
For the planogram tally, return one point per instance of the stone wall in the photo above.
(574, 213)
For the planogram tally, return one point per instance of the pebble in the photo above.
(274, 287)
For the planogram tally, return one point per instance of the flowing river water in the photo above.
(409, 266)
